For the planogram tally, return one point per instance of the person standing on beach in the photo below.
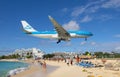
(77, 59)
(67, 61)
(71, 62)
(44, 66)
(39, 62)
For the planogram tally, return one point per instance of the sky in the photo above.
(101, 17)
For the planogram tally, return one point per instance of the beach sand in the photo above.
(60, 69)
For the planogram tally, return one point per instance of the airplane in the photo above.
(60, 34)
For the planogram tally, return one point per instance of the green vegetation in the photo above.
(87, 53)
(48, 55)
(13, 56)
(107, 55)
(97, 54)
(104, 54)
(29, 55)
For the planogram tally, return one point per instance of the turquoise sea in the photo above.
(5, 67)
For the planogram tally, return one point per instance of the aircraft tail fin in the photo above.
(27, 28)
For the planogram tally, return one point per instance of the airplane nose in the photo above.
(90, 34)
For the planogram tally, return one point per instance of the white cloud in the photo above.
(86, 19)
(72, 25)
(117, 48)
(83, 43)
(105, 17)
(93, 43)
(68, 44)
(100, 46)
(93, 7)
(109, 45)
(118, 35)
(111, 4)
(65, 9)
(88, 43)
(89, 8)
(106, 46)
(77, 11)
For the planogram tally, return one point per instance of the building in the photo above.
(34, 52)
(37, 53)
(64, 54)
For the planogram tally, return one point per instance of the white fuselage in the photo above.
(55, 36)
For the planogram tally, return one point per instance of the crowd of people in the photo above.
(69, 61)
(42, 63)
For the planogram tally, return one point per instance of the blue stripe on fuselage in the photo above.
(82, 33)
(45, 32)
(76, 32)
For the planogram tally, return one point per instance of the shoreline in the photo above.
(15, 70)
(10, 60)
(55, 69)
(36, 70)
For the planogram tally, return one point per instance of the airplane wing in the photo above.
(62, 33)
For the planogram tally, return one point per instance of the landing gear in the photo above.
(85, 39)
(58, 41)
(63, 39)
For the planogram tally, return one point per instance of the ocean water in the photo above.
(5, 67)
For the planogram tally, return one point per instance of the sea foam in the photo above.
(16, 71)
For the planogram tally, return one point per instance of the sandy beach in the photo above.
(60, 69)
